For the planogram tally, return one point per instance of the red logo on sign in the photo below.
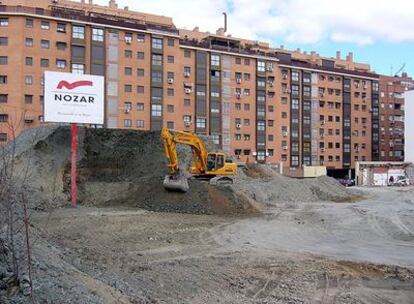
(73, 85)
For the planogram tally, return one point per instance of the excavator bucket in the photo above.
(176, 182)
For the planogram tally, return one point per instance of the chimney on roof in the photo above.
(126, 8)
(338, 55)
(196, 29)
(220, 31)
(282, 47)
(350, 57)
(90, 2)
(113, 4)
(298, 50)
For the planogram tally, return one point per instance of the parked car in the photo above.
(347, 182)
(401, 181)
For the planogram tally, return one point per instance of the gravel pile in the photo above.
(264, 185)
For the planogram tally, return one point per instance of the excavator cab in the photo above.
(219, 164)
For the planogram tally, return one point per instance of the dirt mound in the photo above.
(265, 185)
(117, 167)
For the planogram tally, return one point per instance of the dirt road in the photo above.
(296, 253)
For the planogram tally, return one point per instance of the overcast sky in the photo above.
(379, 32)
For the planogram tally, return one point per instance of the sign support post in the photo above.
(73, 169)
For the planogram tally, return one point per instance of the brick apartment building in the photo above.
(257, 102)
(391, 125)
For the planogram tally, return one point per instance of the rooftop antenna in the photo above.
(225, 21)
(400, 70)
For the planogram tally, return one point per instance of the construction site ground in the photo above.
(265, 239)
(323, 252)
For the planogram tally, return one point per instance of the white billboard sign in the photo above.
(73, 98)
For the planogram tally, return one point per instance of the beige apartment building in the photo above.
(258, 103)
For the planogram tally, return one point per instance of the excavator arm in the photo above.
(171, 138)
(176, 180)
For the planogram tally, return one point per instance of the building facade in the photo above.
(392, 116)
(257, 102)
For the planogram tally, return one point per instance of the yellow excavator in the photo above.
(216, 167)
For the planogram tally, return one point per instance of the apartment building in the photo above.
(258, 103)
(392, 89)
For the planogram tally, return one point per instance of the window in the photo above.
(78, 32)
(4, 21)
(3, 60)
(170, 75)
(127, 107)
(127, 88)
(127, 123)
(28, 99)
(261, 66)
(187, 71)
(187, 118)
(270, 123)
(246, 107)
(141, 55)
(246, 61)
(3, 98)
(140, 72)
(45, 25)
(3, 79)
(128, 38)
(156, 110)
(4, 117)
(141, 37)
(128, 71)
(61, 27)
(44, 44)
(78, 68)
(140, 124)
(61, 45)
(246, 137)
(187, 53)
(44, 63)
(28, 80)
(187, 102)
(170, 59)
(157, 43)
(4, 41)
(170, 108)
(261, 126)
(128, 53)
(238, 106)
(29, 42)
(295, 76)
(215, 60)
(170, 42)
(295, 89)
(97, 34)
(170, 92)
(140, 106)
(29, 23)
(140, 89)
(294, 161)
(156, 59)
(201, 123)
(295, 103)
(29, 61)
